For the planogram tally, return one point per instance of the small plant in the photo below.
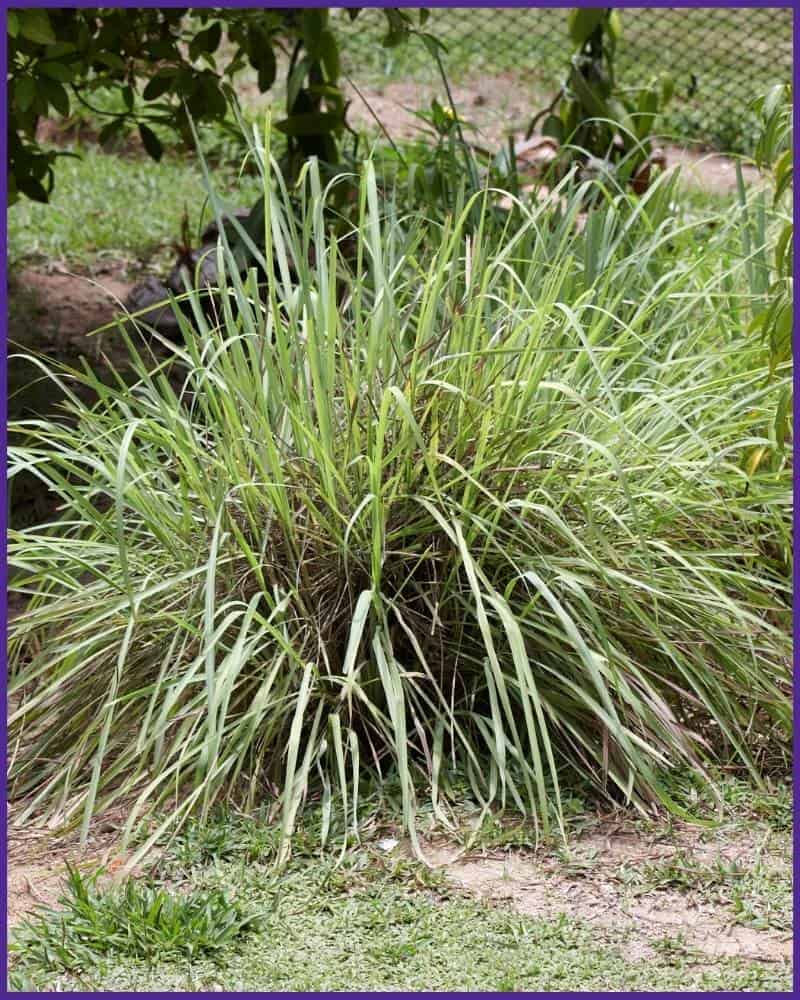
(432, 173)
(771, 283)
(599, 125)
(675, 945)
(428, 174)
(218, 839)
(775, 154)
(497, 831)
(229, 836)
(576, 862)
(764, 907)
(139, 921)
(683, 871)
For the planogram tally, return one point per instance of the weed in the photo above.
(575, 862)
(224, 836)
(138, 921)
(683, 871)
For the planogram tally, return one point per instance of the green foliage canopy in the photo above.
(170, 66)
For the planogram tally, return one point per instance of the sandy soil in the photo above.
(597, 885)
(499, 104)
(37, 861)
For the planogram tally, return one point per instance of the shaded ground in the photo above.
(54, 308)
(52, 311)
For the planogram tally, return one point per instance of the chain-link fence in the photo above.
(719, 59)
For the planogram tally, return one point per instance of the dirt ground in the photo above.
(595, 882)
(55, 308)
(497, 103)
(37, 862)
(589, 888)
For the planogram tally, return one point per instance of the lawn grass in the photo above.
(377, 922)
(118, 206)
(130, 207)
(389, 938)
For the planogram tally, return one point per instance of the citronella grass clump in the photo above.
(473, 503)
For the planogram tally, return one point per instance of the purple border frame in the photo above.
(510, 4)
(795, 516)
(4, 5)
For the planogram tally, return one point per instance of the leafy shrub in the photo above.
(774, 152)
(474, 510)
(159, 68)
(770, 274)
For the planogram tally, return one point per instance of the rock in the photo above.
(152, 296)
(211, 233)
(197, 268)
(194, 268)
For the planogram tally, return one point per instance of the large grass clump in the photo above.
(441, 502)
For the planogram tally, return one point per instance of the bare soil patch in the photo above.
(495, 106)
(55, 308)
(52, 314)
(597, 883)
(38, 858)
(499, 105)
(709, 172)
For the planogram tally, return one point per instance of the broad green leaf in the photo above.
(328, 51)
(158, 85)
(151, 142)
(24, 92)
(56, 70)
(55, 94)
(34, 24)
(582, 21)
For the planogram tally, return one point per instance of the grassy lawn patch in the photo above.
(116, 206)
(379, 921)
(389, 938)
